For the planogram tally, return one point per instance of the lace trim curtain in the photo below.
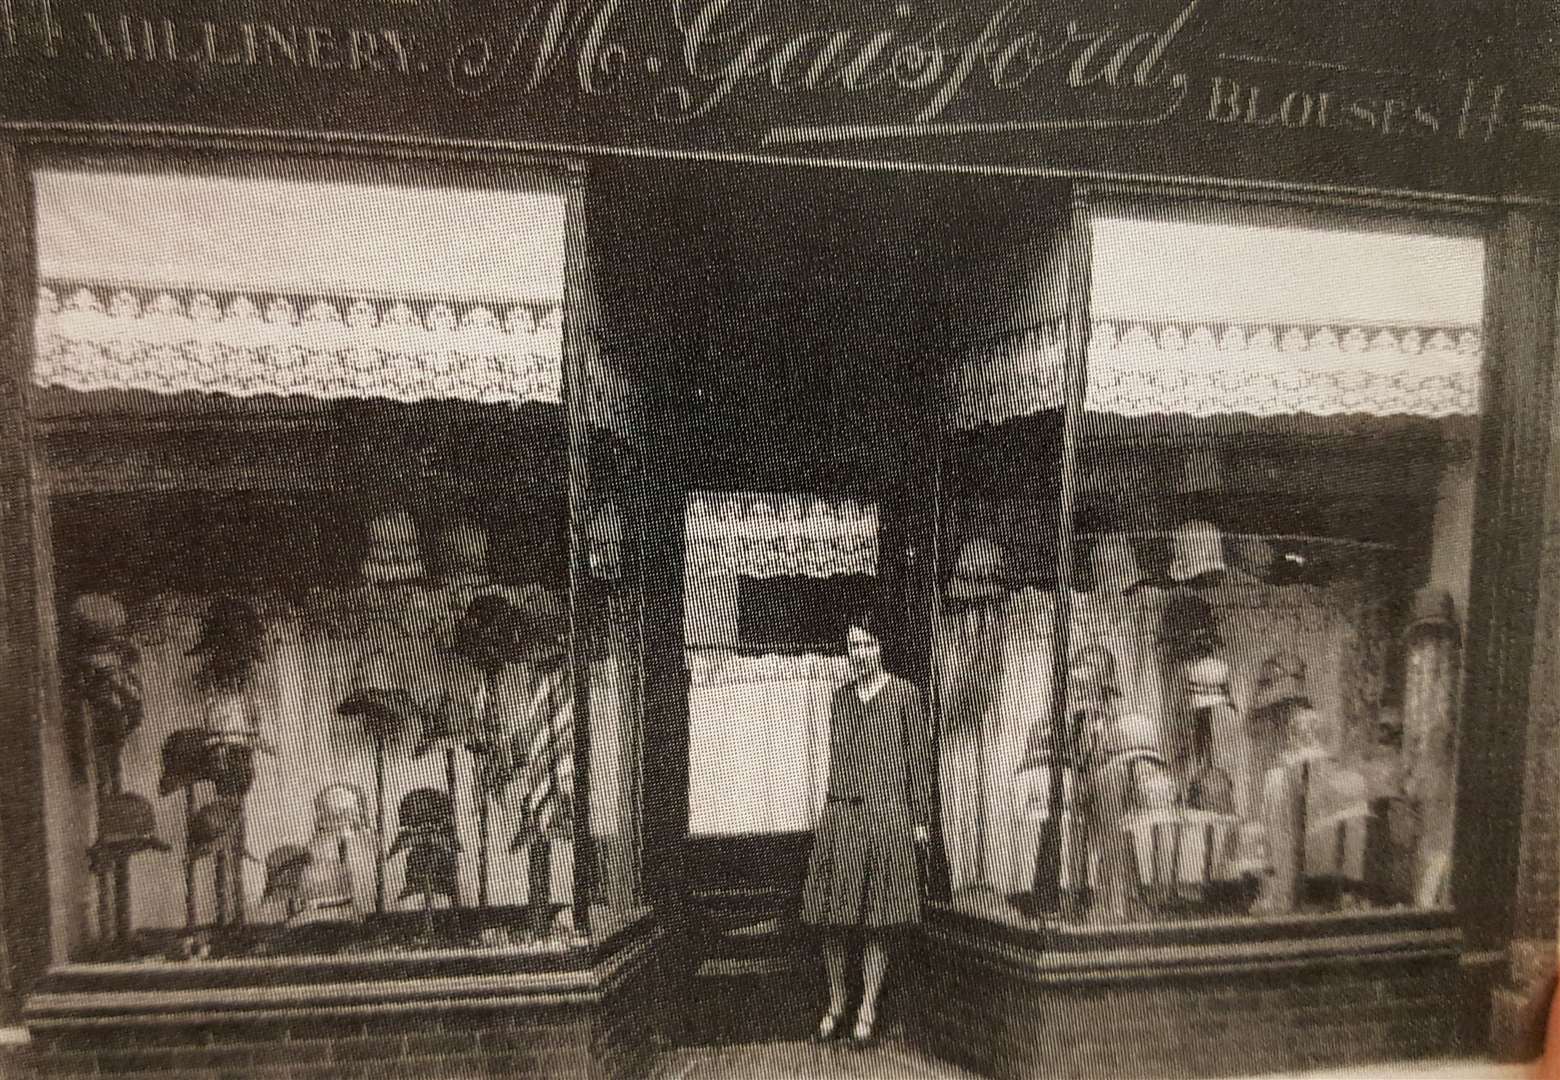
(90, 338)
(758, 741)
(1141, 369)
(771, 535)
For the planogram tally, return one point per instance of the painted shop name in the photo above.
(97, 35)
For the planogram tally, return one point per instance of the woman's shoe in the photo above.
(865, 1036)
(828, 1028)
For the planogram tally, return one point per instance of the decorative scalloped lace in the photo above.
(768, 535)
(169, 344)
(1141, 369)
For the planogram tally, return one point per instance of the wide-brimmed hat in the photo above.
(980, 572)
(1198, 550)
(1433, 611)
(1281, 679)
(382, 712)
(1208, 682)
(496, 630)
(126, 827)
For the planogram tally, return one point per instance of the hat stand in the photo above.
(109, 704)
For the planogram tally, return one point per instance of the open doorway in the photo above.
(803, 319)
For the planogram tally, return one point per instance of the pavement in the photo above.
(895, 1061)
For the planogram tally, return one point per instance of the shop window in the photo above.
(764, 574)
(1245, 705)
(310, 493)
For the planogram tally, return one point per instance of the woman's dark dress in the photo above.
(863, 867)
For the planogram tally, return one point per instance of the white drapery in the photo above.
(753, 534)
(1138, 368)
(758, 740)
(165, 342)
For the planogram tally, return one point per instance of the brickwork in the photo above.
(1271, 1018)
(606, 1040)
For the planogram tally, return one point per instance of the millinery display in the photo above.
(1271, 497)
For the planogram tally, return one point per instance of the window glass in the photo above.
(307, 468)
(1261, 667)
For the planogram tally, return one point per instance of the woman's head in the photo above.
(864, 634)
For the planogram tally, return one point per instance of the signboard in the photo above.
(1378, 94)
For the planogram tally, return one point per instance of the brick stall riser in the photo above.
(449, 1045)
(600, 1033)
(1014, 1025)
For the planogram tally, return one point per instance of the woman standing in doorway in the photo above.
(864, 872)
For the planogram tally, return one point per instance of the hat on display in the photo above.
(126, 826)
(461, 550)
(1114, 562)
(448, 725)
(1305, 735)
(1092, 673)
(1189, 628)
(980, 571)
(392, 549)
(230, 718)
(1433, 611)
(284, 867)
(1280, 680)
(341, 807)
(425, 816)
(186, 760)
(1198, 550)
(382, 712)
(430, 869)
(1208, 682)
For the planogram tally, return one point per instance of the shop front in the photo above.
(440, 447)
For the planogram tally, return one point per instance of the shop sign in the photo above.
(1357, 93)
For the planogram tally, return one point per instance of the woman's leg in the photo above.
(874, 966)
(836, 957)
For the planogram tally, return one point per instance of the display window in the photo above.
(1201, 625)
(371, 470)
